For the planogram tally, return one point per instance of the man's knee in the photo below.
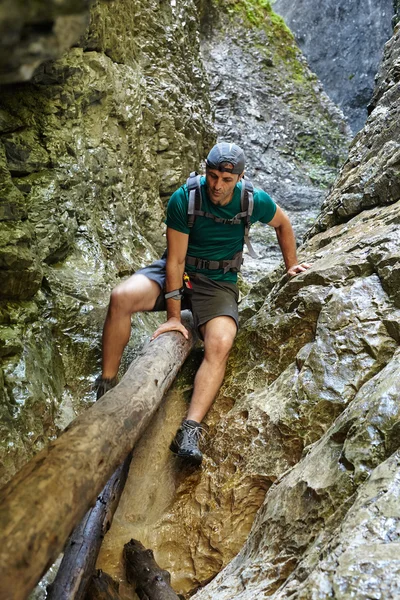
(219, 344)
(136, 294)
(122, 300)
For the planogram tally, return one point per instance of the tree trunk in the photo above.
(149, 580)
(80, 555)
(42, 504)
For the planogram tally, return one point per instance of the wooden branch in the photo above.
(77, 566)
(103, 587)
(149, 580)
(43, 503)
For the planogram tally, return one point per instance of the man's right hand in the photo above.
(172, 324)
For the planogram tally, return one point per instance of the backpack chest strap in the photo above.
(236, 220)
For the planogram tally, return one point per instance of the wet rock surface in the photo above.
(197, 521)
(370, 176)
(32, 32)
(343, 43)
(396, 6)
(329, 342)
(90, 150)
(300, 480)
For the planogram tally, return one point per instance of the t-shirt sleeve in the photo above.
(264, 207)
(177, 211)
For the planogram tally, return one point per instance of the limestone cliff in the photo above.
(89, 151)
(306, 425)
(396, 5)
(266, 99)
(326, 396)
(34, 31)
(343, 43)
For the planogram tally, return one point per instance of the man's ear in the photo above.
(241, 176)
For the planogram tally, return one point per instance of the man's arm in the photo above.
(287, 242)
(177, 244)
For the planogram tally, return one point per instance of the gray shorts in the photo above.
(207, 300)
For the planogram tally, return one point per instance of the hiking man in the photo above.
(206, 229)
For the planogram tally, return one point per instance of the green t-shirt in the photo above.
(216, 241)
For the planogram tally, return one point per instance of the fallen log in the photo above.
(78, 564)
(42, 504)
(103, 587)
(150, 582)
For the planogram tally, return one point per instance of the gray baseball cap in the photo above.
(224, 152)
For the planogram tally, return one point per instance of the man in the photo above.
(204, 251)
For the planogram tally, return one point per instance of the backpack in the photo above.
(194, 210)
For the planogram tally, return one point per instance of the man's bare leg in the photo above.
(218, 334)
(136, 294)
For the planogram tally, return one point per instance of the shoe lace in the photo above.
(195, 432)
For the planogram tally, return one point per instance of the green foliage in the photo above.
(258, 13)
(255, 10)
(289, 73)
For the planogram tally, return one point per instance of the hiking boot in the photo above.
(103, 385)
(186, 440)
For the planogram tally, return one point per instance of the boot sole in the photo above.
(186, 457)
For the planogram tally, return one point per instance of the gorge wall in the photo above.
(343, 43)
(305, 431)
(93, 140)
(90, 150)
(294, 138)
(306, 424)
(326, 395)
(293, 135)
(396, 5)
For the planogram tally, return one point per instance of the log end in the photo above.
(145, 575)
(103, 587)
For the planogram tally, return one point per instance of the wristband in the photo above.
(175, 294)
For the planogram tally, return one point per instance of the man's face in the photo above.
(220, 185)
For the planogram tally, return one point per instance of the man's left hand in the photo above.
(173, 324)
(296, 269)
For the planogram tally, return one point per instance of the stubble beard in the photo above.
(221, 200)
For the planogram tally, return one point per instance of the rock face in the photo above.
(292, 135)
(89, 152)
(343, 44)
(266, 99)
(396, 17)
(302, 453)
(32, 32)
(328, 342)
(370, 177)
(307, 422)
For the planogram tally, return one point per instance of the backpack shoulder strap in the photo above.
(194, 190)
(247, 206)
